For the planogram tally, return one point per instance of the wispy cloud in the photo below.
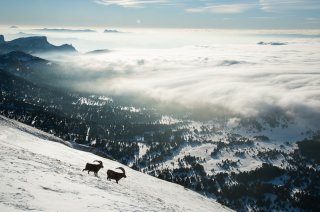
(205, 6)
(222, 8)
(312, 20)
(131, 3)
(280, 5)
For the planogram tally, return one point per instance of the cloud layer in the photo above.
(240, 76)
(131, 3)
(221, 8)
(204, 6)
(281, 5)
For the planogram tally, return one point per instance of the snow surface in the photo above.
(283, 140)
(41, 175)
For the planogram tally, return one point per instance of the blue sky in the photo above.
(234, 14)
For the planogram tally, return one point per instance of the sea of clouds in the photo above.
(219, 70)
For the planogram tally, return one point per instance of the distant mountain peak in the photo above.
(111, 31)
(33, 44)
(65, 30)
(33, 40)
(99, 51)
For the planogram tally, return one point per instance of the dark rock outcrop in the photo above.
(2, 39)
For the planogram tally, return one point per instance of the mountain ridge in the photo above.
(33, 44)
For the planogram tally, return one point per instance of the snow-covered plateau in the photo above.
(41, 175)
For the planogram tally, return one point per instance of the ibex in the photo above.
(116, 175)
(93, 167)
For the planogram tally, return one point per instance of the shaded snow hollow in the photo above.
(41, 175)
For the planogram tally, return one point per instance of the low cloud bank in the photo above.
(244, 79)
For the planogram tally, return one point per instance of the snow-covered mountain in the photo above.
(264, 161)
(41, 175)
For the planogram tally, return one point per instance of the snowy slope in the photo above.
(37, 174)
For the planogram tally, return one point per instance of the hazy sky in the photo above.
(163, 13)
